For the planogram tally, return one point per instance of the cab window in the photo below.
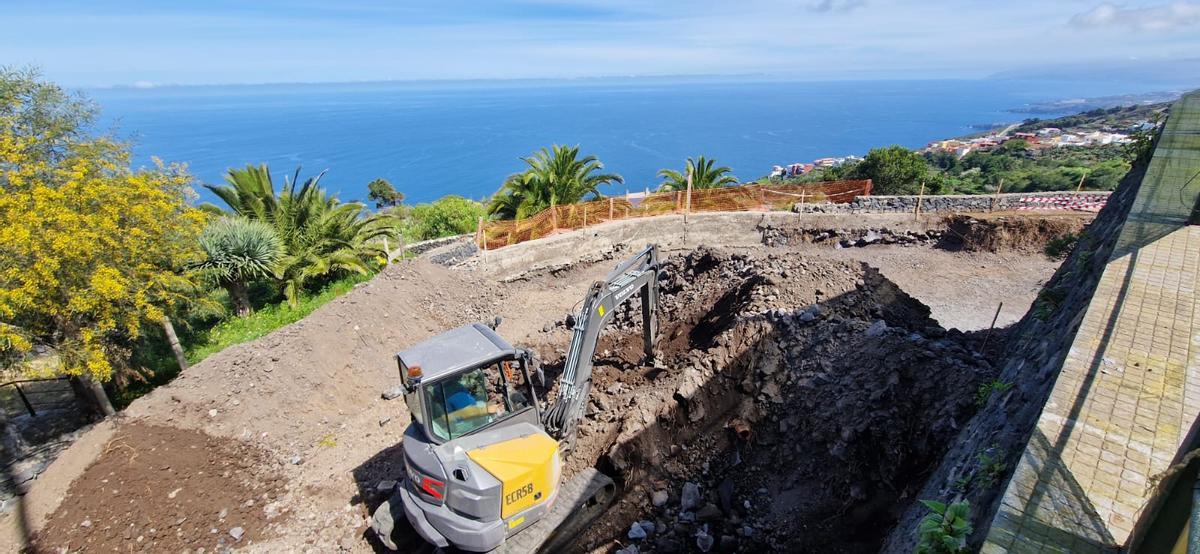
(461, 404)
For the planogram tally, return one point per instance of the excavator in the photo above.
(482, 454)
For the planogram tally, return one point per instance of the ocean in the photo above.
(436, 138)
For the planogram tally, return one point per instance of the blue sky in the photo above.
(122, 42)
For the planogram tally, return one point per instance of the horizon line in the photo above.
(147, 85)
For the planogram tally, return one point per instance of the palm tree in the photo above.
(320, 235)
(237, 251)
(704, 176)
(555, 176)
(250, 192)
(324, 237)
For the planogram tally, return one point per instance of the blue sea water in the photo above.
(436, 138)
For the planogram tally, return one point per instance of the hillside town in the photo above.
(1048, 137)
(1100, 127)
(798, 169)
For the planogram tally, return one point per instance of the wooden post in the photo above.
(99, 397)
(678, 200)
(610, 207)
(585, 216)
(762, 197)
(688, 208)
(554, 216)
(1079, 188)
(920, 196)
(479, 241)
(988, 335)
(173, 340)
(996, 198)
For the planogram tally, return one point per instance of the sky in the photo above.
(155, 42)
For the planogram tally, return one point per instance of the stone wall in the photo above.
(427, 245)
(947, 203)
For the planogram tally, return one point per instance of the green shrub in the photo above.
(1059, 247)
(444, 217)
(944, 531)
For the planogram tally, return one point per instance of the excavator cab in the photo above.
(479, 464)
(461, 403)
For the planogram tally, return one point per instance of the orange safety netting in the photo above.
(498, 234)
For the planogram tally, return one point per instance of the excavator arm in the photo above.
(603, 298)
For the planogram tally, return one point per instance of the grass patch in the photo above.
(269, 318)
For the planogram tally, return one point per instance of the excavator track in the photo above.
(579, 503)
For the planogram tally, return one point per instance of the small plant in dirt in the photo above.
(1059, 247)
(1085, 258)
(944, 531)
(991, 467)
(1048, 302)
(986, 390)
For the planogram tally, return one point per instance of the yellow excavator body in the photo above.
(527, 467)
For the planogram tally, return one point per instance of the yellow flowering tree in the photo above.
(90, 249)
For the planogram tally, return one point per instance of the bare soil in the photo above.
(841, 425)
(1008, 232)
(164, 489)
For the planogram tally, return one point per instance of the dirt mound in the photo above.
(1008, 232)
(292, 388)
(802, 402)
(162, 489)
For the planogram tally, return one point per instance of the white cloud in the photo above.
(825, 6)
(1162, 17)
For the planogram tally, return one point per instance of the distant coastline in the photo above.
(1078, 105)
(436, 138)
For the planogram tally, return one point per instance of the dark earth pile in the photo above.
(209, 494)
(795, 406)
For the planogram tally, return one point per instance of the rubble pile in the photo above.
(849, 238)
(794, 405)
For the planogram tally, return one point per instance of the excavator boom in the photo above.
(639, 273)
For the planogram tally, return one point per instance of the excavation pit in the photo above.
(794, 405)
